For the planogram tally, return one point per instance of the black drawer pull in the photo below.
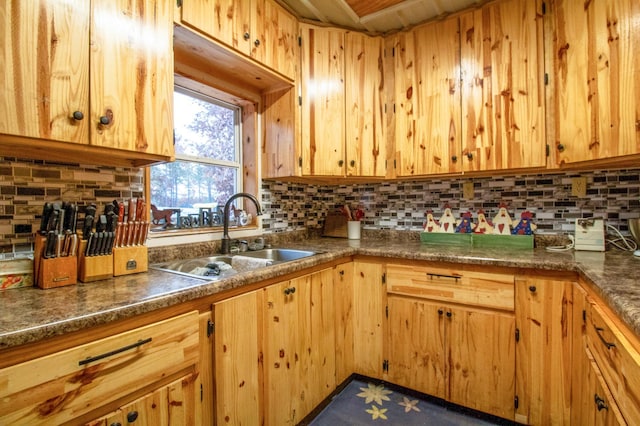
(432, 276)
(114, 352)
(609, 345)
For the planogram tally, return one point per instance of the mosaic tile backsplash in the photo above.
(398, 206)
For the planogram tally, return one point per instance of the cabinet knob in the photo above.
(454, 158)
(440, 312)
(341, 163)
(469, 156)
(78, 115)
(532, 288)
(289, 290)
(247, 36)
(449, 314)
(600, 403)
(352, 163)
(341, 272)
(132, 416)
(116, 424)
(104, 120)
(560, 147)
(257, 42)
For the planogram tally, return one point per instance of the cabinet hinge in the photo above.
(546, 78)
(516, 402)
(584, 316)
(394, 108)
(385, 108)
(299, 41)
(384, 278)
(393, 51)
(386, 311)
(517, 334)
(201, 393)
(385, 365)
(174, 138)
(394, 163)
(299, 100)
(548, 150)
(299, 161)
(544, 8)
(210, 328)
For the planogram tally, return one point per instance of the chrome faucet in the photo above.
(226, 240)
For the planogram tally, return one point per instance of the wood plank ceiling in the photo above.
(375, 16)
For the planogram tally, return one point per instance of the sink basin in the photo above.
(215, 267)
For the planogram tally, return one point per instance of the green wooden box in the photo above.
(478, 240)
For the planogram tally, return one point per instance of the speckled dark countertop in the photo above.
(31, 314)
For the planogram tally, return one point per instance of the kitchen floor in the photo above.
(369, 402)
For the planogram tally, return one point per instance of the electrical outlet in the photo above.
(467, 190)
(579, 187)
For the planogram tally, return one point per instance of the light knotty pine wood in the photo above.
(416, 349)
(545, 362)
(277, 32)
(131, 76)
(502, 72)
(206, 407)
(364, 105)
(369, 301)
(298, 346)
(323, 109)
(237, 361)
(472, 287)
(33, 392)
(597, 64)
(344, 297)
(427, 99)
(280, 143)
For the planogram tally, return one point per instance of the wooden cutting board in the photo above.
(335, 225)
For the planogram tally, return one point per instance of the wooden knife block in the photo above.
(130, 260)
(53, 272)
(94, 268)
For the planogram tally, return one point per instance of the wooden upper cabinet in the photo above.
(502, 78)
(69, 77)
(132, 76)
(260, 29)
(364, 105)
(323, 107)
(427, 99)
(597, 63)
(45, 70)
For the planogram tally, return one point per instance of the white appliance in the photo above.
(589, 234)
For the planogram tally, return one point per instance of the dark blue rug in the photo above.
(371, 403)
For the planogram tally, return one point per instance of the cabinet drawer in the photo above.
(467, 286)
(618, 361)
(64, 385)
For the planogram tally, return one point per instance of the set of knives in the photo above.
(58, 225)
(110, 230)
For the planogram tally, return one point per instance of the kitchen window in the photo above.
(208, 166)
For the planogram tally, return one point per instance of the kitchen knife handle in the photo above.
(140, 207)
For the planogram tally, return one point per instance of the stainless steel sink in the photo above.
(216, 267)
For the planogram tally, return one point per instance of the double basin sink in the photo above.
(220, 266)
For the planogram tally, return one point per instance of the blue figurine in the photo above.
(525, 226)
(465, 226)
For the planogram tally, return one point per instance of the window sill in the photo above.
(198, 235)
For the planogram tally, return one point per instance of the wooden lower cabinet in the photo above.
(237, 361)
(298, 346)
(463, 355)
(544, 355)
(175, 404)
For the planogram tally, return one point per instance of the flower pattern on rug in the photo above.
(374, 393)
(377, 413)
(409, 404)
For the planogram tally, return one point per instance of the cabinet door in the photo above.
(544, 321)
(481, 356)
(275, 38)
(228, 21)
(364, 105)
(237, 360)
(503, 114)
(344, 298)
(597, 61)
(299, 346)
(416, 346)
(45, 69)
(369, 304)
(323, 110)
(132, 75)
(427, 109)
